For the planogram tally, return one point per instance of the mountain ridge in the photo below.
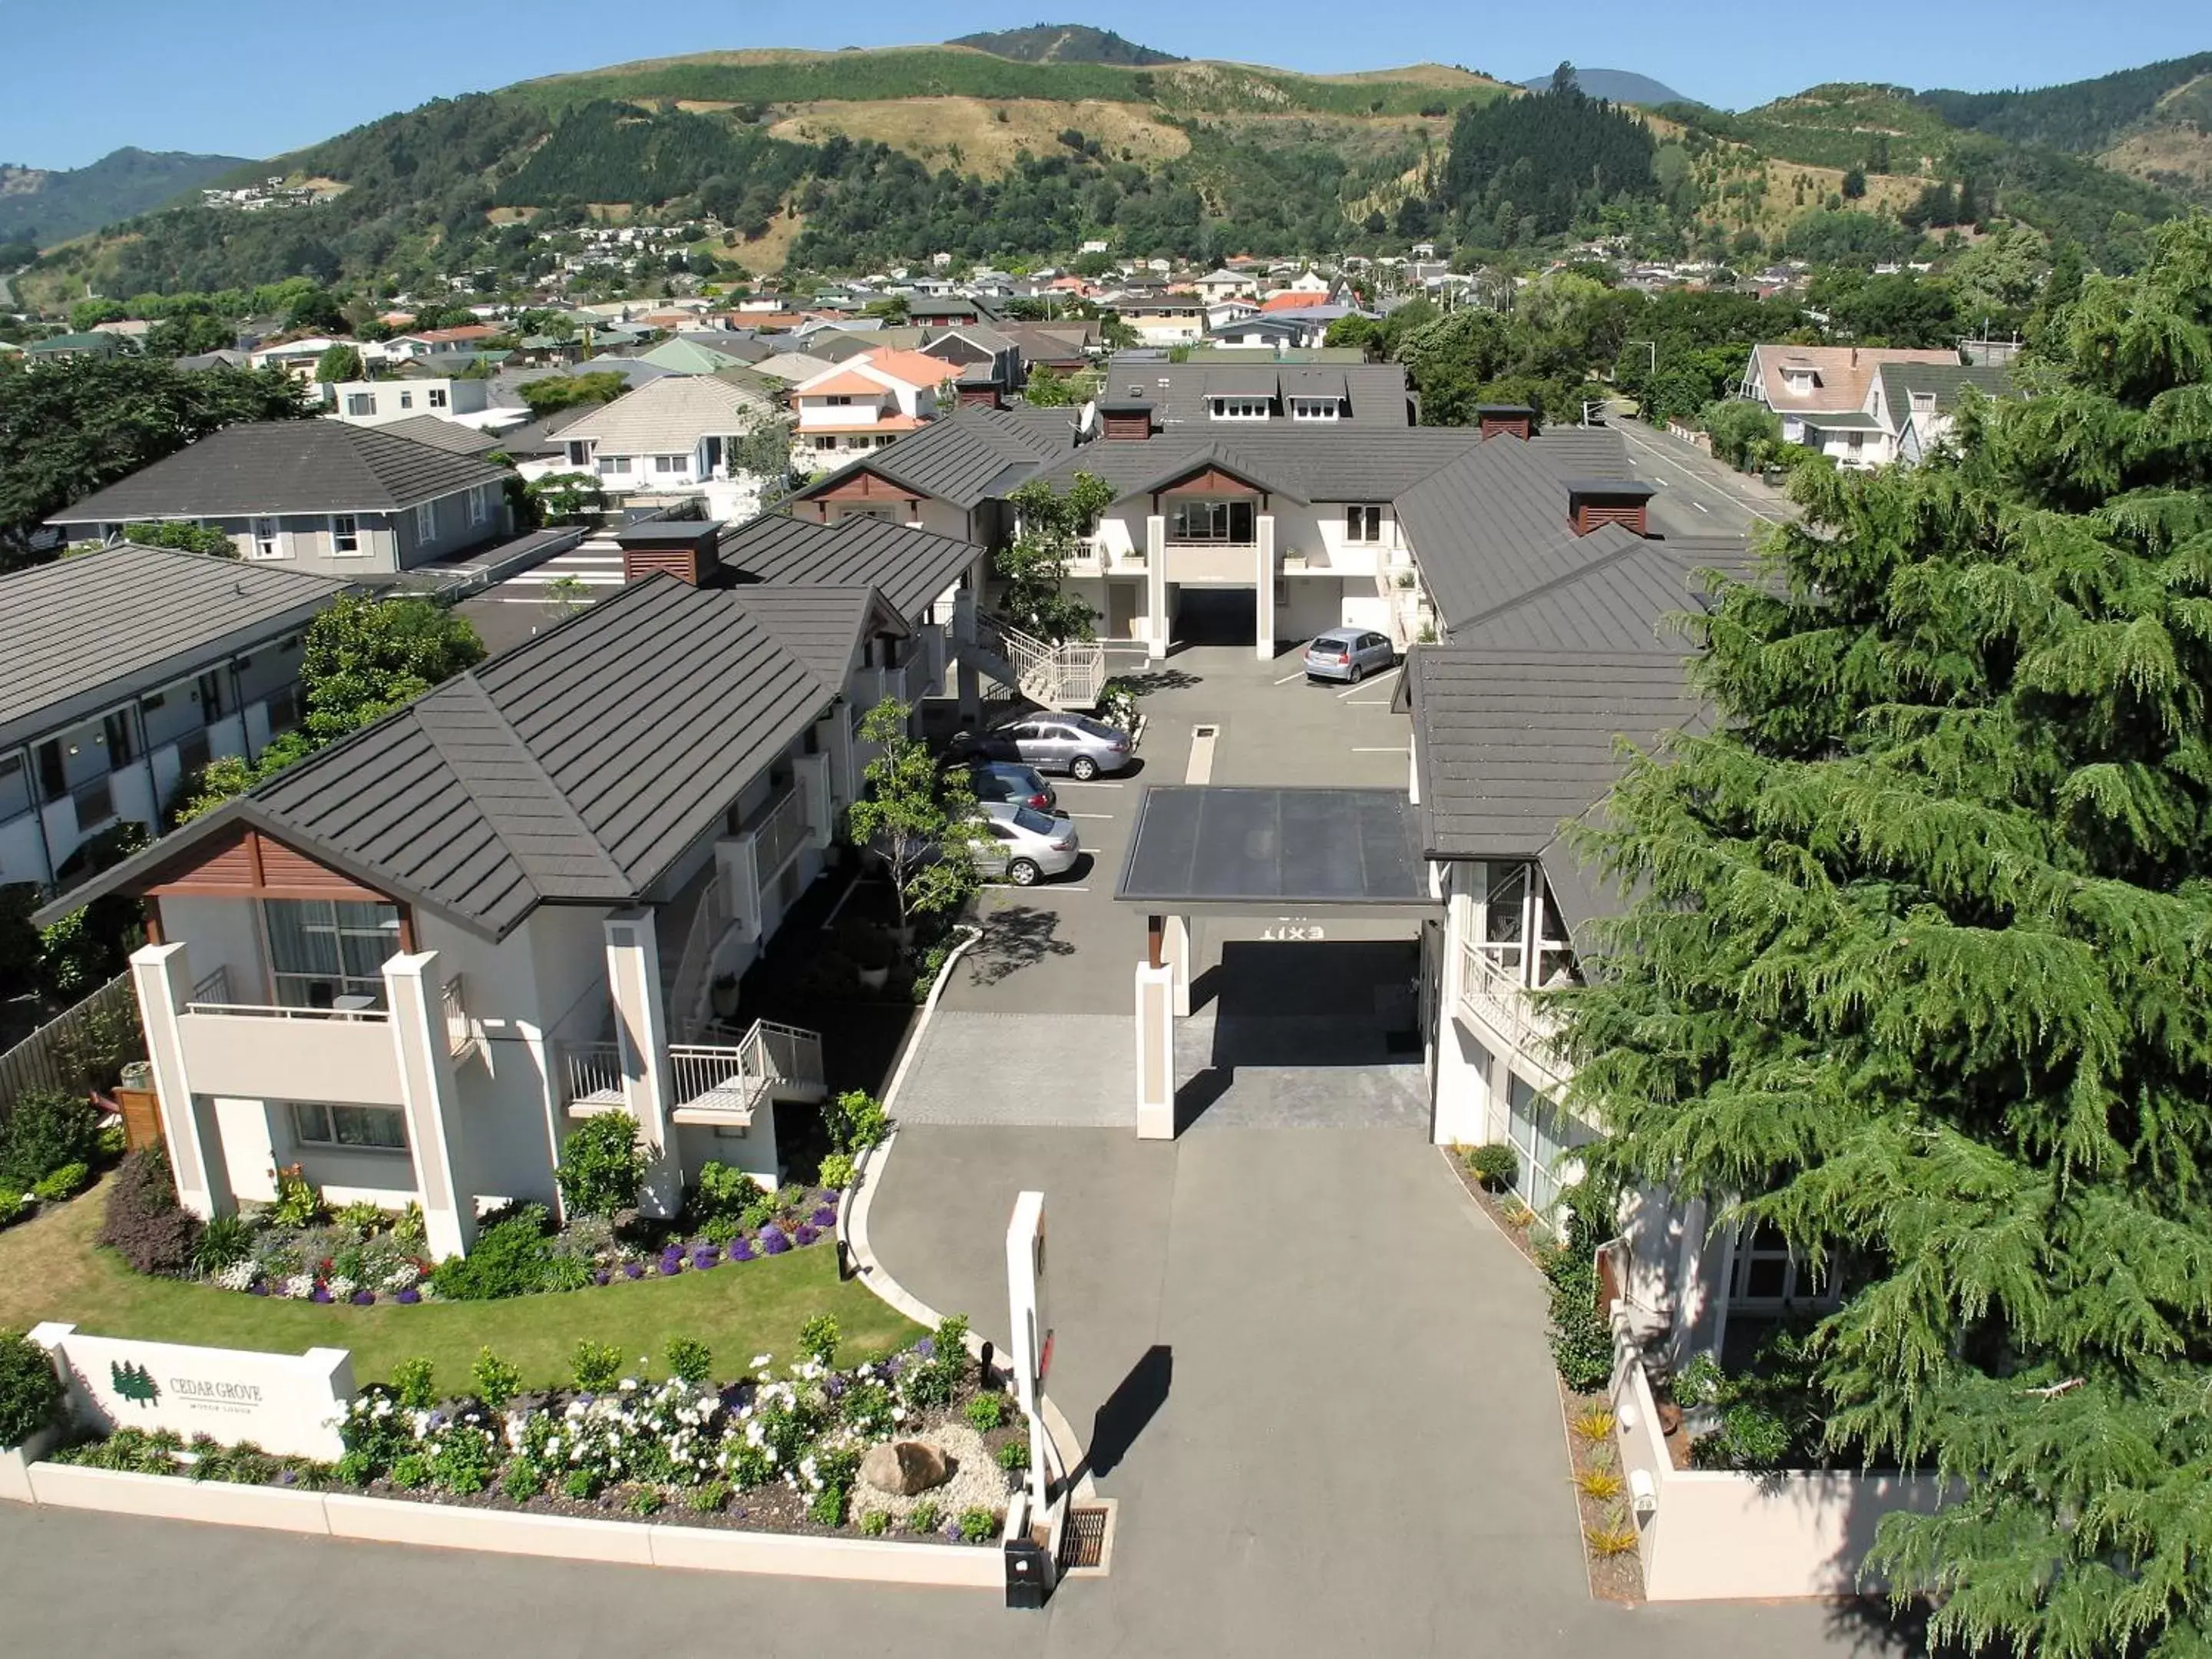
(48, 205)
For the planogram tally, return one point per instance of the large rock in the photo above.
(903, 1467)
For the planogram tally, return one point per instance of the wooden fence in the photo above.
(82, 1048)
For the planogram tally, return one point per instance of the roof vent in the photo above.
(1595, 501)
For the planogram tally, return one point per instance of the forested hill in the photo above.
(48, 207)
(832, 161)
(2082, 117)
(1065, 43)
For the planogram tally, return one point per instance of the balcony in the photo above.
(780, 828)
(716, 1084)
(1492, 991)
(258, 1051)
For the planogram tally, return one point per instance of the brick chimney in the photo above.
(1518, 419)
(987, 396)
(1126, 420)
(1595, 501)
(686, 549)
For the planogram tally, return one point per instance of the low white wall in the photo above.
(1717, 1534)
(284, 1403)
(446, 1526)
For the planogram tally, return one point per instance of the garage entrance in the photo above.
(1216, 616)
(1314, 1012)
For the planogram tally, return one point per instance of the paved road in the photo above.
(1698, 496)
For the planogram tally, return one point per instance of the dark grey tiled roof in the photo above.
(1377, 391)
(541, 436)
(1492, 526)
(576, 768)
(820, 626)
(1621, 604)
(441, 433)
(81, 634)
(969, 456)
(1513, 743)
(1900, 381)
(908, 568)
(1336, 464)
(284, 466)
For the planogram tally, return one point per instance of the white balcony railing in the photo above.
(452, 1004)
(591, 1077)
(779, 832)
(277, 1011)
(709, 1083)
(1493, 991)
(212, 989)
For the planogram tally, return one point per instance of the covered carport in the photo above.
(1305, 863)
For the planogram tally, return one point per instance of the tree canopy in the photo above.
(1918, 972)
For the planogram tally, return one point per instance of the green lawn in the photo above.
(50, 1268)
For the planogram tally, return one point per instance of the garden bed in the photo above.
(766, 1453)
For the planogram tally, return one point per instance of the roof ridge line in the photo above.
(466, 684)
(1565, 578)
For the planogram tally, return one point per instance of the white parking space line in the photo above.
(1392, 749)
(1385, 703)
(1366, 685)
(1102, 818)
(1287, 678)
(1077, 783)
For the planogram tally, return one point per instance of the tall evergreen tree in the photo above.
(1919, 971)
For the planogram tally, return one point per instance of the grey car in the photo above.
(1349, 655)
(1023, 846)
(1073, 744)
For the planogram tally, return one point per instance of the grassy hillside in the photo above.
(1064, 43)
(2085, 118)
(54, 206)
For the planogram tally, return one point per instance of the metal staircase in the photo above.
(1069, 676)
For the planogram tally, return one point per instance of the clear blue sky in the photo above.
(258, 77)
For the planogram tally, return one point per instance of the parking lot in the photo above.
(1049, 985)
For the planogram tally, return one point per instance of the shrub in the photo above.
(1615, 1537)
(30, 1391)
(978, 1525)
(581, 1485)
(144, 1223)
(113, 1142)
(709, 1498)
(1595, 1424)
(837, 1172)
(758, 1213)
(1014, 1455)
(13, 1206)
(723, 1191)
(925, 1515)
(224, 1240)
(690, 1359)
(363, 1217)
(1600, 1486)
(522, 1481)
(1699, 1382)
(298, 1203)
(644, 1501)
(496, 1381)
(602, 1165)
(597, 1366)
(818, 1338)
(1496, 1166)
(511, 1258)
(413, 1380)
(723, 1229)
(855, 1121)
(65, 1182)
(986, 1411)
(47, 1131)
(875, 1524)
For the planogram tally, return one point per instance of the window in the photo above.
(1541, 1133)
(15, 787)
(210, 696)
(267, 544)
(479, 505)
(407, 400)
(53, 777)
(1240, 409)
(1227, 522)
(671, 463)
(360, 403)
(1505, 918)
(345, 533)
(838, 403)
(115, 732)
(614, 466)
(825, 443)
(426, 522)
(1362, 523)
(358, 1129)
(1765, 1274)
(437, 397)
(580, 454)
(320, 950)
(1314, 409)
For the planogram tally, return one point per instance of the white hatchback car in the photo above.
(1023, 845)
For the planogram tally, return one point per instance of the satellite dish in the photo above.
(1087, 423)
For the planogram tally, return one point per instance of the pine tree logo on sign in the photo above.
(134, 1383)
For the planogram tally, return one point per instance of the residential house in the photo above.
(128, 667)
(1916, 403)
(411, 963)
(299, 358)
(1821, 393)
(1225, 284)
(1163, 319)
(1064, 346)
(338, 500)
(952, 310)
(59, 347)
(437, 341)
(864, 403)
(377, 402)
(790, 367)
(677, 435)
(986, 365)
(1259, 332)
(681, 355)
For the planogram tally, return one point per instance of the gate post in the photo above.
(1155, 1009)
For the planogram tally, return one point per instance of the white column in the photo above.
(1156, 1079)
(1263, 630)
(1156, 586)
(1175, 951)
(642, 1028)
(813, 772)
(163, 975)
(411, 987)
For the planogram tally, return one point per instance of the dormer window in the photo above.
(1801, 380)
(1241, 409)
(1924, 402)
(1315, 409)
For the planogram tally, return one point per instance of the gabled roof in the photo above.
(684, 356)
(80, 635)
(791, 366)
(822, 626)
(1941, 381)
(440, 433)
(1377, 392)
(850, 382)
(1622, 603)
(909, 568)
(671, 415)
(1842, 373)
(273, 467)
(911, 368)
(578, 768)
(1215, 458)
(972, 455)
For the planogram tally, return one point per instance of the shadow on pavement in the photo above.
(1871, 1626)
(1195, 1094)
(1020, 936)
(1136, 1399)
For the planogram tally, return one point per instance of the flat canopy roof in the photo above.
(1226, 847)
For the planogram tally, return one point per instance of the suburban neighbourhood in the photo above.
(1091, 873)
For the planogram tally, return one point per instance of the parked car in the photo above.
(1010, 781)
(1025, 845)
(1349, 655)
(1073, 744)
